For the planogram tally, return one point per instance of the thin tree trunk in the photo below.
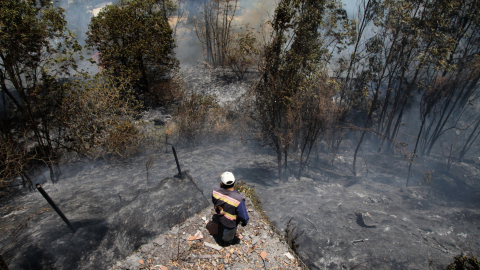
(285, 171)
(469, 142)
(279, 163)
(439, 129)
(414, 151)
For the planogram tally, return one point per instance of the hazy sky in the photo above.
(252, 12)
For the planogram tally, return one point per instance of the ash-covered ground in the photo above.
(368, 221)
(357, 222)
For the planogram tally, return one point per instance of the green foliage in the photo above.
(135, 41)
(292, 74)
(35, 45)
(36, 49)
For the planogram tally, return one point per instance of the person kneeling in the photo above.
(230, 209)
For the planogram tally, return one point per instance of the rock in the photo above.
(133, 261)
(174, 230)
(364, 219)
(240, 256)
(147, 248)
(217, 247)
(159, 240)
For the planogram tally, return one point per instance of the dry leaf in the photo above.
(232, 250)
(140, 261)
(163, 268)
(198, 235)
(191, 238)
(263, 255)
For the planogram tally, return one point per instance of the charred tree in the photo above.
(213, 28)
(287, 97)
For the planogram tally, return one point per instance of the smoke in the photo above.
(188, 48)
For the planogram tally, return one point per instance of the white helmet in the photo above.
(228, 178)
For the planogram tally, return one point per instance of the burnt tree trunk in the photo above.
(3, 265)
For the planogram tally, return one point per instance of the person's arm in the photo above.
(242, 213)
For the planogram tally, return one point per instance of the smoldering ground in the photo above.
(366, 221)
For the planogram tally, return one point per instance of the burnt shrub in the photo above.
(199, 119)
(123, 139)
(464, 263)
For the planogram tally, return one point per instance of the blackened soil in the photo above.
(117, 208)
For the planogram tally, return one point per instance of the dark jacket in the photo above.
(230, 207)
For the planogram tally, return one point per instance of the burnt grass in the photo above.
(367, 221)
